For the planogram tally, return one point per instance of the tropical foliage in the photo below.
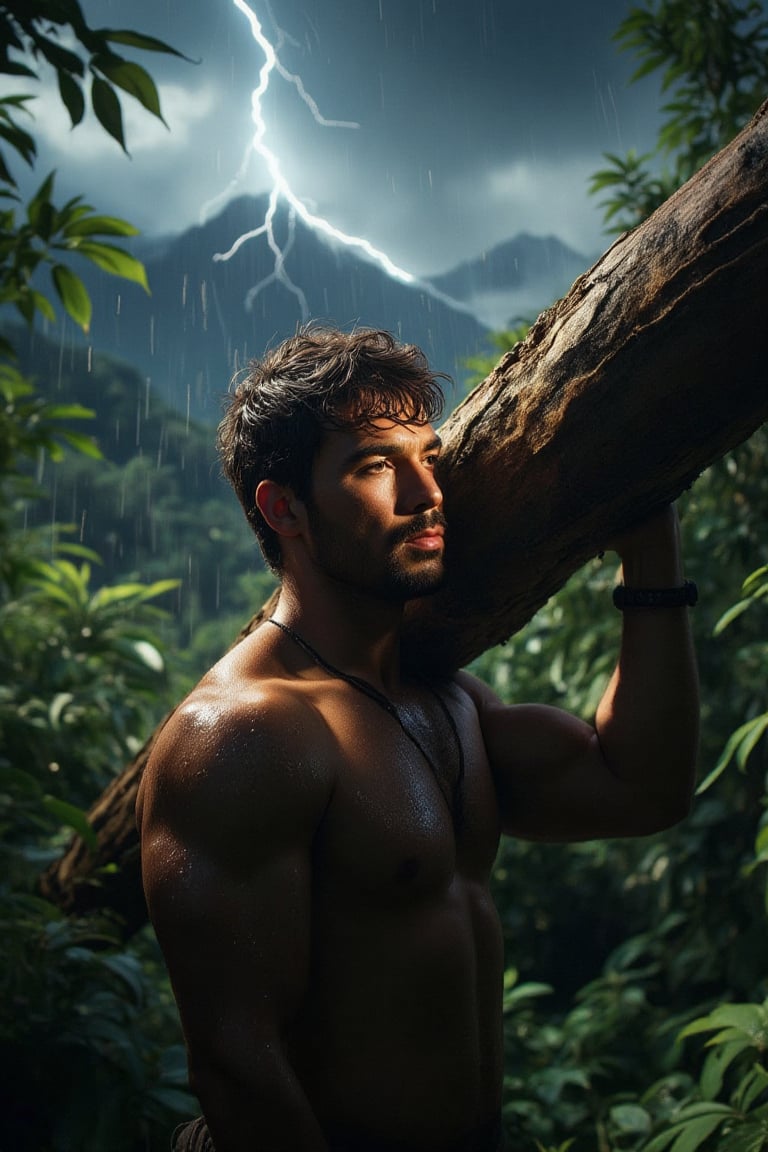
(83, 1021)
(635, 994)
(635, 1004)
(712, 57)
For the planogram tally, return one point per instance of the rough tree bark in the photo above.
(653, 366)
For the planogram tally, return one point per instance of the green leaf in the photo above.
(19, 140)
(68, 412)
(16, 68)
(72, 817)
(761, 841)
(631, 1118)
(149, 655)
(73, 295)
(25, 304)
(6, 177)
(128, 970)
(696, 1132)
(71, 97)
(716, 1065)
(133, 79)
(754, 578)
(80, 550)
(40, 211)
(44, 306)
(100, 225)
(730, 615)
(740, 744)
(17, 101)
(132, 591)
(39, 909)
(58, 706)
(82, 443)
(750, 1136)
(54, 592)
(691, 1127)
(139, 40)
(107, 109)
(59, 57)
(115, 261)
(752, 1086)
(522, 992)
(749, 1019)
(753, 731)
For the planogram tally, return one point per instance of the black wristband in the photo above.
(685, 595)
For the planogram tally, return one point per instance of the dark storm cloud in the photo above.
(477, 120)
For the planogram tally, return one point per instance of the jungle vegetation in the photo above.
(636, 991)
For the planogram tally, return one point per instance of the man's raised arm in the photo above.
(648, 718)
(227, 816)
(632, 771)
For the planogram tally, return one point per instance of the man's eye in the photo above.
(375, 466)
(432, 459)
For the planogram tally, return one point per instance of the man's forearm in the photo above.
(647, 721)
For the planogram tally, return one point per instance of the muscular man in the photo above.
(318, 827)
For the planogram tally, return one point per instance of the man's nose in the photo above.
(423, 491)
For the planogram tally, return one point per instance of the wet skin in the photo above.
(325, 917)
(383, 930)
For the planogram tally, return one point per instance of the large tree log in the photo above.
(653, 366)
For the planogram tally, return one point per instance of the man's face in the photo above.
(375, 515)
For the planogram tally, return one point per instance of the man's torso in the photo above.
(403, 1015)
(398, 1036)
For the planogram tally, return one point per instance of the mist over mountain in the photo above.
(205, 319)
(515, 280)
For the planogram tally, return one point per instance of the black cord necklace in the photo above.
(455, 802)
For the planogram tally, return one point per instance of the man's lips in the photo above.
(425, 531)
(430, 539)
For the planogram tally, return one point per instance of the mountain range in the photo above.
(205, 317)
(515, 280)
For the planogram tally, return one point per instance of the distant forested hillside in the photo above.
(156, 505)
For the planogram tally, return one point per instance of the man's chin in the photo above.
(418, 584)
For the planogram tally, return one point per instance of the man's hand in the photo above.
(649, 547)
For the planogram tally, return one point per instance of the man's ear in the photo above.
(279, 507)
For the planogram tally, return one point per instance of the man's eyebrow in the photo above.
(379, 448)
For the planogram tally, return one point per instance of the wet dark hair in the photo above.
(315, 381)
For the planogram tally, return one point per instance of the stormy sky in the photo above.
(477, 119)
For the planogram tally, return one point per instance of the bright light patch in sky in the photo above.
(280, 189)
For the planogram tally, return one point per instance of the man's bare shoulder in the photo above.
(481, 695)
(245, 749)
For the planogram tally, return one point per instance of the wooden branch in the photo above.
(653, 366)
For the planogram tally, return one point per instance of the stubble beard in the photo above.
(346, 560)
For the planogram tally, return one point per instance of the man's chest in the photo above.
(413, 801)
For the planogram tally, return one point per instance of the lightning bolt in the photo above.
(280, 187)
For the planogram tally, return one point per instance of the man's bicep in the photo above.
(236, 944)
(552, 780)
(546, 764)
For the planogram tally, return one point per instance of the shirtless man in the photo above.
(318, 828)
